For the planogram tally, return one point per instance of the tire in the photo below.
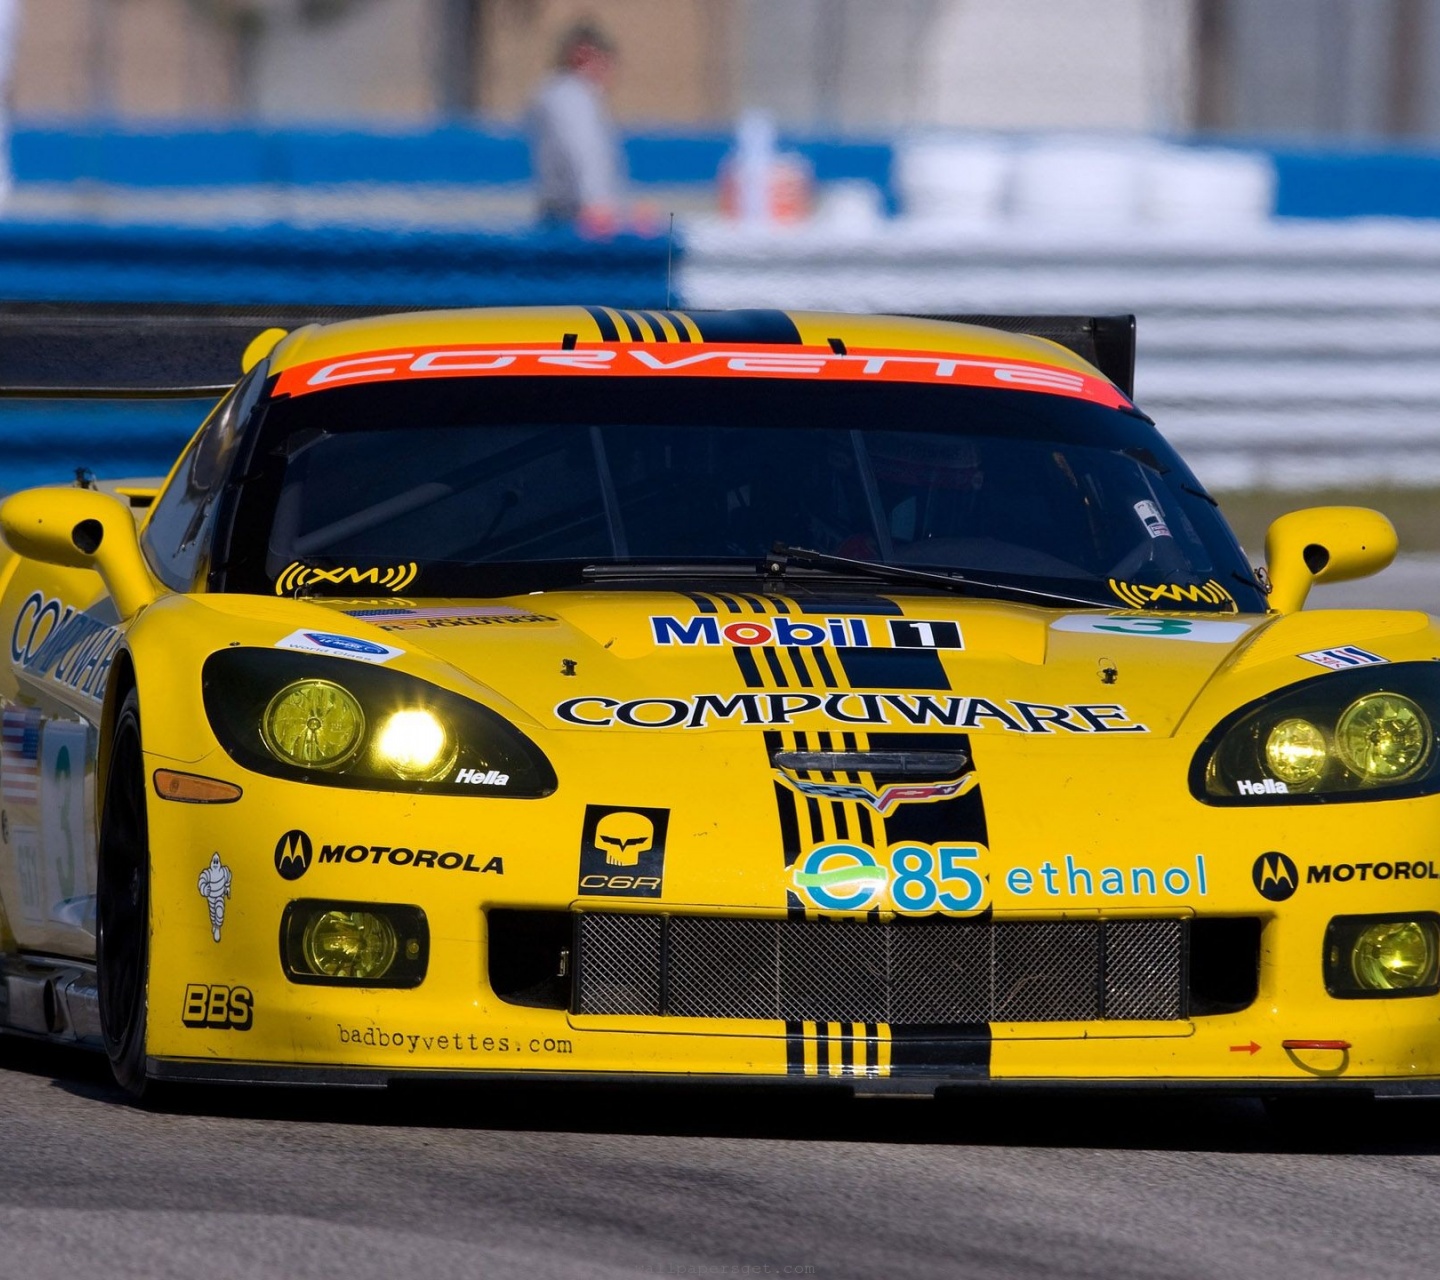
(122, 927)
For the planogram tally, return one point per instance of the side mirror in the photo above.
(82, 529)
(1324, 544)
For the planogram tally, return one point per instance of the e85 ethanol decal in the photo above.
(913, 879)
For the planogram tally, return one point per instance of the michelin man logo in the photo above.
(215, 888)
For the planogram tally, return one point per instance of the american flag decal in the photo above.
(20, 755)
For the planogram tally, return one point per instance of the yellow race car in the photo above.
(741, 696)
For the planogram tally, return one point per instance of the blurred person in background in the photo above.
(9, 35)
(575, 150)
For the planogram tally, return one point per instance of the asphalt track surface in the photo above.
(545, 1182)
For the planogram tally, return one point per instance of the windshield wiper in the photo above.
(782, 556)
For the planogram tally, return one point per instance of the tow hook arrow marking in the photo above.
(1252, 1048)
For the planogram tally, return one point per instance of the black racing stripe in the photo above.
(795, 1048)
(801, 674)
(654, 322)
(872, 1046)
(730, 603)
(749, 668)
(893, 668)
(867, 827)
(608, 332)
(681, 328)
(632, 326)
(777, 672)
(761, 327)
(951, 1050)
(872, 605)
(827, 676)
(960, 819)
(756, 604)
(842, 824)
(703, 603)
(789, 823)
(847, 1051)
(817, 827)
(822, 1047)
(781, 604)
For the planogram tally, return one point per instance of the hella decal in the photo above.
(338, 646)
(886, 798)
(706, 630)
(482, 777)
(1265, 787)
(948, 711)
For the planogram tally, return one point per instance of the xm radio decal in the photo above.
(1175, 595)
(298, 577)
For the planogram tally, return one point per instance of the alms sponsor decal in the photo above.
(904, 709)
(708, 631)
(297, 577)
(55, 641)
(1152, 627)
(1343, 658)
(1204, 596)
(338, 646)
(701, 359)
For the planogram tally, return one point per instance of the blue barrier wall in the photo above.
(335, 266)
(187, 157)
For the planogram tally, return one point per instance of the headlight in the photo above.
(340, 723)
(313, 722)
(1351, 735)
(357, 944)
(1375, 956)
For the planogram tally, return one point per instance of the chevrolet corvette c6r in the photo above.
(727, 695)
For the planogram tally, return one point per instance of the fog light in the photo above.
(1295, 752)
(1394, 956)
(313, 723)
(1383, 737)
(370, 944)
(1377, 956)
(416, 745)
(349, 944)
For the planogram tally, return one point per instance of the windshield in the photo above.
(468, 487)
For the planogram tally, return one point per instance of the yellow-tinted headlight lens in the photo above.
(415, 744)
(349, 944)
(1394, 956)
(1383, 737)
(313, 723)
(1295, 752)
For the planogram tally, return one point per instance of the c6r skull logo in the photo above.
(622, 852)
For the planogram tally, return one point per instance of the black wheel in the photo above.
(122, 934)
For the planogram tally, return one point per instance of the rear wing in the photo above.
(1107, 342)
(118, 351)
(185, 350)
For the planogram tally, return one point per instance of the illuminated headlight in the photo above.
(1353, 735)
(364, 944)
(1374, 956)
(339, 723)
(415, 744)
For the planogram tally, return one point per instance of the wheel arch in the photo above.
(122, 680)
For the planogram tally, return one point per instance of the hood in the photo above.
(671, 661)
